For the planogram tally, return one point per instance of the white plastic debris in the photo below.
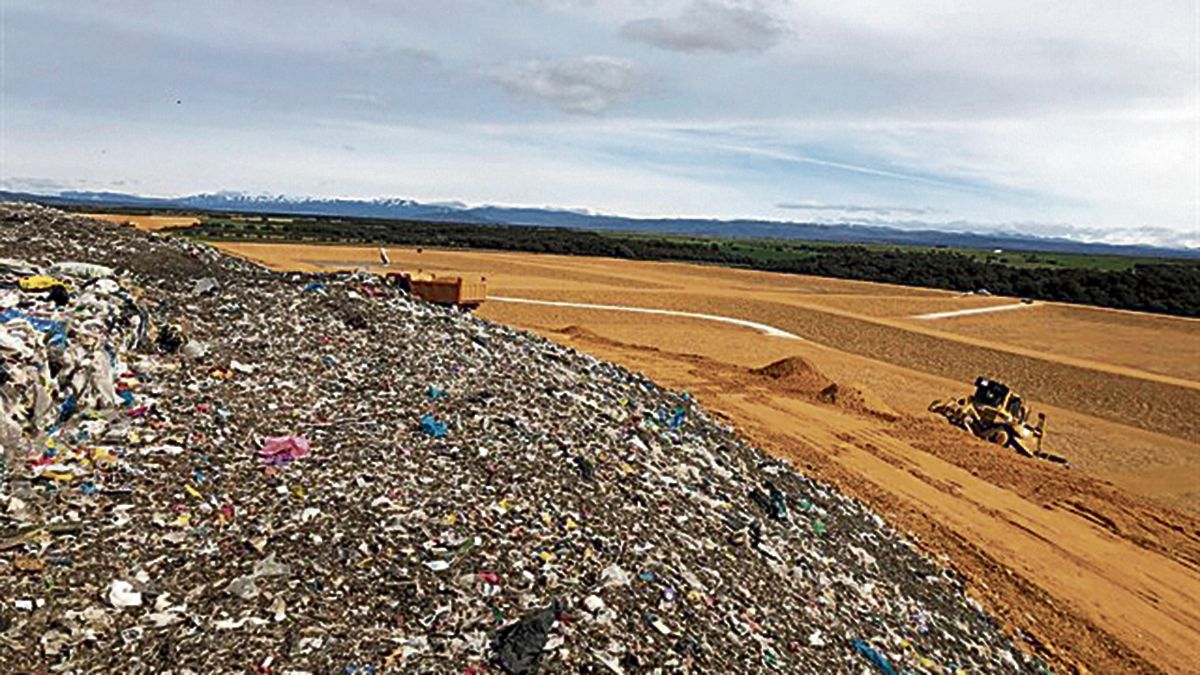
(593, 603)
(81, 269)
(613, 575)
(122, 594)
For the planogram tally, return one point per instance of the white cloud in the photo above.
(588, 85)
(708, 25)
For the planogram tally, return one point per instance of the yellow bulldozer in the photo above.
(995, 413)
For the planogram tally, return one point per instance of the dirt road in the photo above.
(1097, 566)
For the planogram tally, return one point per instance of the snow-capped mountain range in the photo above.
(914, 233)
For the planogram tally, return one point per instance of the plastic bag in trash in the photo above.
(519, 645)
(430, 425)
(283, 450)
(878, 660)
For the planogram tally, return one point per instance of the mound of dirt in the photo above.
(798, 374)
(857, 399)
(795, 372)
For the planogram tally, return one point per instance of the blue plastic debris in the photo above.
(58, 334)
(878, 660)
(431, 426)
(315, 287)
(675, 420)
(67, 409)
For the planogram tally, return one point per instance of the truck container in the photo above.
(448, 290)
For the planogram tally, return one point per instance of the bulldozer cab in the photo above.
(991, 394)
(996, 402)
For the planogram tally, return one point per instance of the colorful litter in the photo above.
(283, 450)
(431, 426)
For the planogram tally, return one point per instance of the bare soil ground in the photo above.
(904, 306)
(1120, 338)
(148, 223)
(1098, 566)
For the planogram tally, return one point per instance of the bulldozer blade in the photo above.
(1022, 451)
(1050, 457)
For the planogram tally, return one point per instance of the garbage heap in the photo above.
(214, 468)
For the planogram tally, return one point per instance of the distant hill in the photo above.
(236, 202)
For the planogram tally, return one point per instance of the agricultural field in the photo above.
(148, 222)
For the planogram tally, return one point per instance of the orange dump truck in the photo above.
(449, 290)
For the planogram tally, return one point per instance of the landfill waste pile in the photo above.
(209, 467)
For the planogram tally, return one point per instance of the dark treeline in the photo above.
(1172, 288)
(1168, 288)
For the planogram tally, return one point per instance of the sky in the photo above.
(1066, 118)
